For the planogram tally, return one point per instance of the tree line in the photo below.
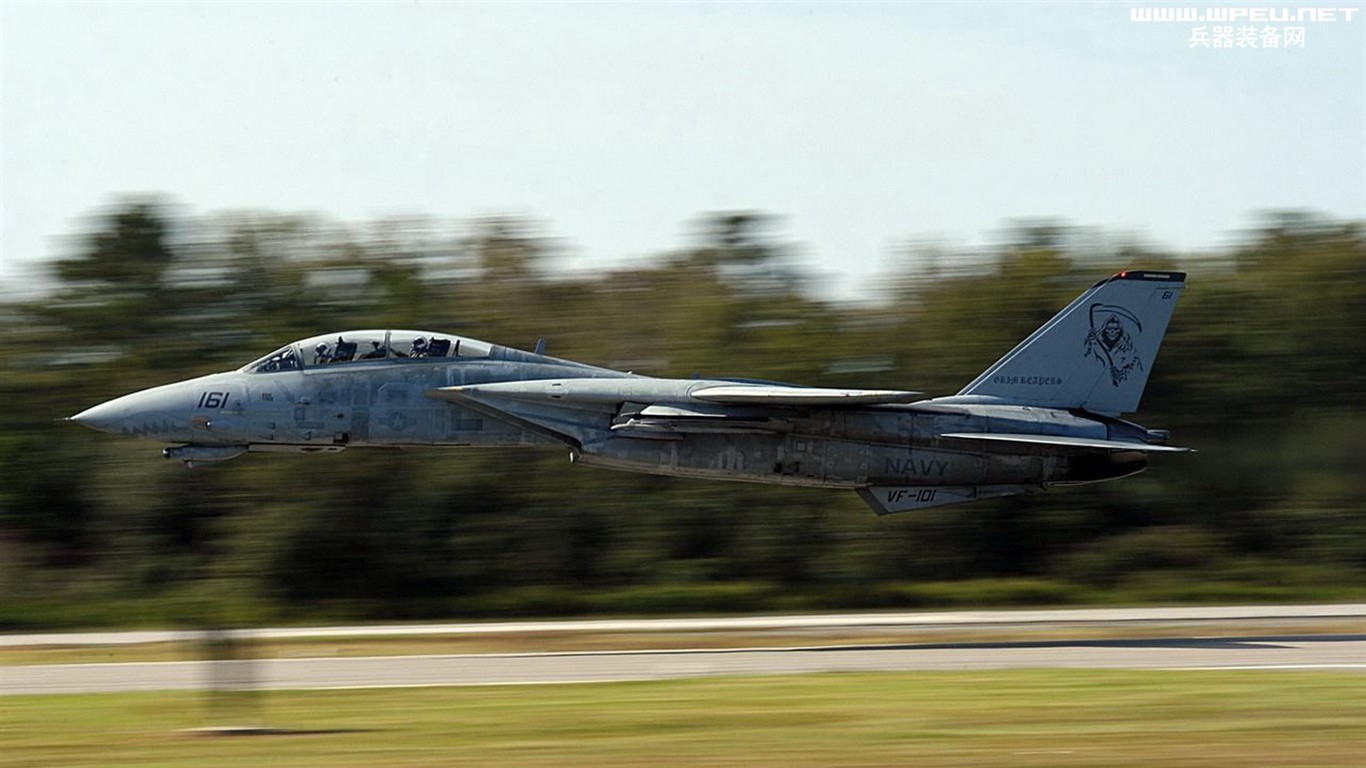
(1260, 371)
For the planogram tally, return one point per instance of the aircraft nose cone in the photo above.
(104, 417)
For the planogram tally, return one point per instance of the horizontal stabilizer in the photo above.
(774, 394)
(1069, 442)
(886, 499)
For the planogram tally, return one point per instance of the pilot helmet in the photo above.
(419, 343)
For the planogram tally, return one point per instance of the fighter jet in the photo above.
(1047, 414)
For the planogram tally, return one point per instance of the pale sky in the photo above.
(861, 125)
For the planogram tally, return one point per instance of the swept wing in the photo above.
(774, 394)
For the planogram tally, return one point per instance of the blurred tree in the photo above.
(130, 250)
(1260, 370)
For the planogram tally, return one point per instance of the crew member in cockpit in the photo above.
(419, 347)
(323, 353)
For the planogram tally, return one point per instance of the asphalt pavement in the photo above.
(906, 620)
(1341, 652)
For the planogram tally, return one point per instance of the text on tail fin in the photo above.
(1096, 354)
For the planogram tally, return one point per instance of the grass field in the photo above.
(1014, 718)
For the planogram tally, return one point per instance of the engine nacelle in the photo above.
(1098, 467)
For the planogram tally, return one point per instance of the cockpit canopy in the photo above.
(359, 347)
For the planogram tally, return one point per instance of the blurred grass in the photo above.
(1014, 718)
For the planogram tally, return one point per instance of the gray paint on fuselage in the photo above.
(362, 404)
(1045, 413)
(385, 404)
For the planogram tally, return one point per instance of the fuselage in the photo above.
(296, 400)
(1046, 413)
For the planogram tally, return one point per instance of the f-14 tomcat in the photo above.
(1046, 414)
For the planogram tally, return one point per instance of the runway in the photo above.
(1081, 617)
(1324, 652)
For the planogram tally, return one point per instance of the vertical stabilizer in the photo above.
(1096, 354)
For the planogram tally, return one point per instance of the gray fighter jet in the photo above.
(1046, 414)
